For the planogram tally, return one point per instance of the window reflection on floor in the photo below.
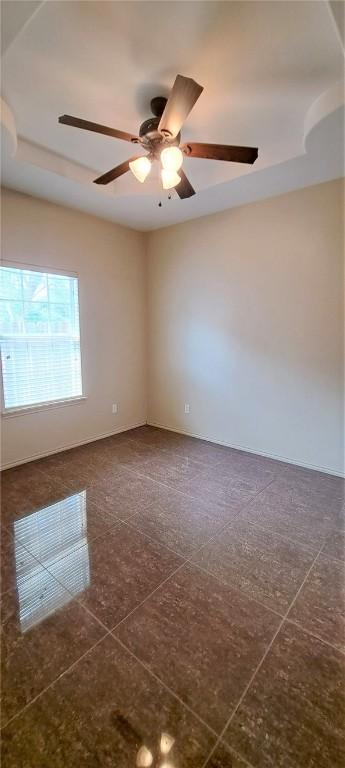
(54, 535)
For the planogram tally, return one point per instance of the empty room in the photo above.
(172, 384)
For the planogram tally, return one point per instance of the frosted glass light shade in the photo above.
(170, 179)
(140, 168)
(171, 158)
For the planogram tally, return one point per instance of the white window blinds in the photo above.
(56, 535)
(40, 338)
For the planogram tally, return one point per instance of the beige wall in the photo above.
(246, 325)
(110, 262)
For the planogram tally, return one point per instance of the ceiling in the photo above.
(272, 74)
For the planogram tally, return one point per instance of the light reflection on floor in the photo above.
(55, 535)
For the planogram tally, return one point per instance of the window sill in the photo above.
(10, 413)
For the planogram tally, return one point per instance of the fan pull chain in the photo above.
(160, 202)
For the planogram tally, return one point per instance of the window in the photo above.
(40, 338)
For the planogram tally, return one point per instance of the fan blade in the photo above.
(183, 95)
(184, 188)
(119, 170)
(76, 122)
(227, 152)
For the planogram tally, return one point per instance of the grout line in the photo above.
(224, 505)
(244, 693)
(148, 596)
(332, 557)
(153, 539)
(179, 554)
(191, 562)
(335, 560)
(29, 703)
(267, 529)
(232, 753)
(316, 637)
(175, 695)
(236, 589)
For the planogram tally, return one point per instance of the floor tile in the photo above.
(43, 631)
(202, 451)
(22, 493)
(123, 497)
(322, 482)
(78, 475)
(181, 522)
(323, 494)
(51, 532)
(320, 606)
(16, 562)
(119, 438)
(21, 478)
(223, 757)
(202, 639)
(124, 566)
(263, 565)
(102, 713)
(243, 460)
(46, 463)
(226, 474)
(335, 546)
(288, 518)
(293, 715)
(169, 468)
(154, 437)
(234, 493)
(131, 454)
(130, 492)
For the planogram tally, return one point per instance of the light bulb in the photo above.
(170, 178)
(171, 158)
(140, 168)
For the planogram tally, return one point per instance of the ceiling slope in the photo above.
(272, 74)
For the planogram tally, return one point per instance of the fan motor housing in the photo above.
(149, 134)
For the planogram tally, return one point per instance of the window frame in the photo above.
(46, 404)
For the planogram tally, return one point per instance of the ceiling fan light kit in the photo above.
(141, 168)
(170, 179)
(171, 158)
(160, 137)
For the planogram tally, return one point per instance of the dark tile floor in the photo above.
(170, 602)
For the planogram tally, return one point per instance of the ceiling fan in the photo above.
(160, 136)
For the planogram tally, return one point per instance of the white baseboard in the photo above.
(127, 427)
(275, 456)
(72, 445)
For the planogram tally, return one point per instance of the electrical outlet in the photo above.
(114, 408)
(186, 408)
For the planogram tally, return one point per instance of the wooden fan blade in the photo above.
(184, 188)
(119, 170)
(183, 95)
(227, 152)
(76, 122)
